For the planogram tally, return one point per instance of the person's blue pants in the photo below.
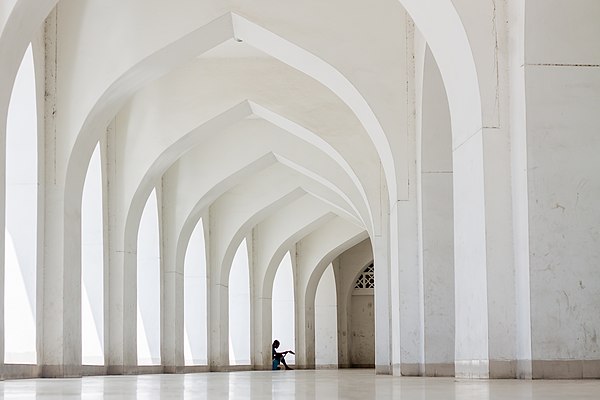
(276, 363)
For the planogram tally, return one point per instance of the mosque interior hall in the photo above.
(402, 193)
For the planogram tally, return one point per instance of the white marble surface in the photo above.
(320, 384)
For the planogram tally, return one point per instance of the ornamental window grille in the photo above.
(366, 279)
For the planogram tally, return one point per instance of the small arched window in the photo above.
(366, 279)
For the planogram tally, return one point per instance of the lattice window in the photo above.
(366, 279)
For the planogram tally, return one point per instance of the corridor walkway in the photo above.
(322, 384)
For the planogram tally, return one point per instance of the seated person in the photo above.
(279, 357)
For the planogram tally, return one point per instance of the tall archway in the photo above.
(21, 243)
(326, 343)
(195, 296)
(148, 285)
(92, 265)
(283, 326)
(239, 308)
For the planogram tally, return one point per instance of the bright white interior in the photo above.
(283, 308)
(239, 308)
(326, 349)
(195, 318)
(452, 144)
(148, 285)
(92, 265)
(20, 254)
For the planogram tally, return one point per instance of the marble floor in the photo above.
(321, 384)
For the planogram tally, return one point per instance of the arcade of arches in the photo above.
(185, 181)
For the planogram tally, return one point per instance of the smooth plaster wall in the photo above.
(362, 331)
(326, 344)
(562, 76)
(347, 267)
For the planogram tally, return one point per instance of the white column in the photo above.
(122, 259)
(172, 286)
(61, 309)
(218, 304)
(436, 218)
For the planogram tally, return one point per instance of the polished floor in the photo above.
(322, 384)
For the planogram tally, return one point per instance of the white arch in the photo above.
(276, 235)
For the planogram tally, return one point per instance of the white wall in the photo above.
(362, 328)
(562, 78)
(326, 323)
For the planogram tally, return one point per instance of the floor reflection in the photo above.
(319, 384)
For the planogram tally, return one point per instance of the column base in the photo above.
(408, 369)
(173, 369)
(565, 369)
(503, 369)
(326, 366)
(472, 369)
(439, 369)
(20, 371)
(383, 369)
(230, 368)
(61, 371)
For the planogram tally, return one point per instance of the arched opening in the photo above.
(20, 259)
(92, 265)
(239, 308)
(148, 285)
(283, 325)
(195, 318)
(362, 325)
(326, 343)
